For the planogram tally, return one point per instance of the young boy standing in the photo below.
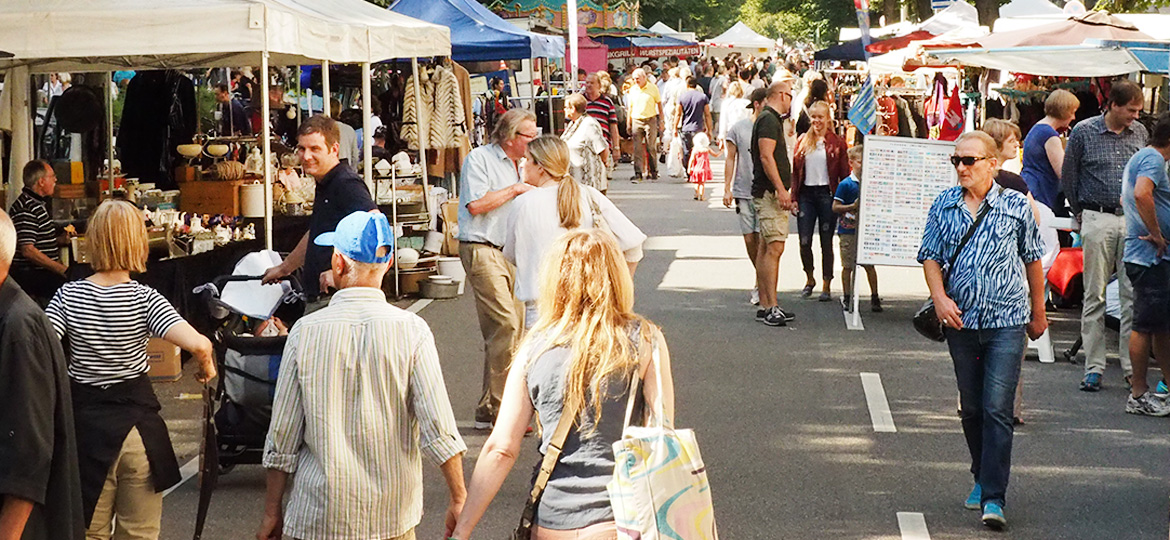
(846, 202)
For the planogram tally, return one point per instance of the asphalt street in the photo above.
(796, 446)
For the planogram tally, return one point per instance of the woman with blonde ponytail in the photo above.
(557, 205)
(580, 359)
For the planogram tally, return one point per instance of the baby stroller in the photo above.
(238, 410)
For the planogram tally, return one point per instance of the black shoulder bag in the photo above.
(926, 320)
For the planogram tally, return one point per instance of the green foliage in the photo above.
(707, 18)
(809, 21)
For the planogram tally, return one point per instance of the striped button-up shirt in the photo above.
(987, 282)
(359, 400)
(1095, 160)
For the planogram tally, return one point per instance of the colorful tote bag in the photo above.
(659, 489)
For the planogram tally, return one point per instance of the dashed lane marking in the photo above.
(913, 526)
(879, 408)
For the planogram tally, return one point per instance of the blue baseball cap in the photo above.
(359, 236)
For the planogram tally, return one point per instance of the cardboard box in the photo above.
(449, 211)
(210, 197)
(164, 360)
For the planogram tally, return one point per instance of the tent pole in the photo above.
(298, 109)
(422, 133)
(548, 80)
(367, 136)
(110, 133)
(325, 97)
(266, 137)
(531, 81)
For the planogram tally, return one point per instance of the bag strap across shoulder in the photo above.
(551, 456)
(970, 232)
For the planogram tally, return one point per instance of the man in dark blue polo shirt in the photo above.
(340, 192)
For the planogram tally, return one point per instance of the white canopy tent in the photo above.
(1060, 60)
(1156, 25)
(1029, 8)
(739, 38)
(958, 15)
(83, 36)
(661, 28)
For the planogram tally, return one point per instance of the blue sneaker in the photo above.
(1091, 382)
(1161, 389)
(993, 516)
(975, 499)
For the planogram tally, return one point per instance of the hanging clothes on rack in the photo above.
(158, 115)
(442, 112)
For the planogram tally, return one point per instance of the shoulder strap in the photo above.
(551, 456)
(971, 231)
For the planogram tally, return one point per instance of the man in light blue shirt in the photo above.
(1145, 195)
(490, 179)
(992, 296)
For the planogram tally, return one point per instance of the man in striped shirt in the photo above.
(359, 400)
(36, 266)
(602, 109)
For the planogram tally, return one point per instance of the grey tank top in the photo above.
(575, 496)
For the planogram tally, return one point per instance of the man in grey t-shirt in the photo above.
(737, 183)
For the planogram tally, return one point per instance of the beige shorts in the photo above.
(773, 220)
(848, 250)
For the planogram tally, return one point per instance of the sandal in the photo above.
(807, 290)
(825, 296)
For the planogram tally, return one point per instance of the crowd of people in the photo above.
(550, 259)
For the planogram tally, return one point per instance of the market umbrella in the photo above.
(1073, 31)
(887, 45)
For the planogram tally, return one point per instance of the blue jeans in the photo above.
(816, 215)
(987, 368)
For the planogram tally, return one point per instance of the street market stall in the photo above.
(739, 38)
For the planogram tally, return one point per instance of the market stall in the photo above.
(739, 38)
(77, 37)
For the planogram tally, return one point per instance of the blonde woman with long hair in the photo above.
(818, 165)
(558, 204)
(580, 356)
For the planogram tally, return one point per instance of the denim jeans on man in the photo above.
(816, 215)
(987, 368)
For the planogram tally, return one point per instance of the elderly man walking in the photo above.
(490, 180)
(1098, 150)
(360, 399)
(990, 298)
(644, 123)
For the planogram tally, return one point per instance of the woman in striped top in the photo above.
(126, 459)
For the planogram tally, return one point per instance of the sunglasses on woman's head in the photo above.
(967, 160)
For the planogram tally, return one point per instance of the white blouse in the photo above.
(533, 226)
(816, 166)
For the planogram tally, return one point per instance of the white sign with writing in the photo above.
(901, 178)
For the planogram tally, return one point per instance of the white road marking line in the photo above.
(913, 526)
(187, 472)
(418, 305)
(879, 408)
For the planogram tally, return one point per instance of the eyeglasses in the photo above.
(527, 136)
(967, 160)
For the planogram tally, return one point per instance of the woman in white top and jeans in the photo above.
(818, 165)
(106, 321)
(558, 205)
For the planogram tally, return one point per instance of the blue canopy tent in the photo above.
(1155, 55)
(479, 35)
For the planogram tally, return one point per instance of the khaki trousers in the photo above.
(493, 278)
(1103, 241)
(645, 135)
(128, 496)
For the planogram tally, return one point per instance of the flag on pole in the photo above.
(863, 110)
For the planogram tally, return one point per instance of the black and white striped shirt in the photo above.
(108, 328)
(34, 225)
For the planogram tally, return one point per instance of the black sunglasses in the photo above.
(967, 160)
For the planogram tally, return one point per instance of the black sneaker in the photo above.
(788, 315)
(875, 304)
(774, 317)
(760, 314)
(847, 303)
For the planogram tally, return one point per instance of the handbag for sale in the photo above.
(524, 530)
(926, 319)
(659, 489)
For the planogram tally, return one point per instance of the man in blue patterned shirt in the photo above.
(992, 297)
(1098, 150)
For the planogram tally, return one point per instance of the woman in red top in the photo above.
(818, 165)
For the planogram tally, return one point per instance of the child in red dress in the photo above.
(699, 169)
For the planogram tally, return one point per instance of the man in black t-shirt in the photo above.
(340, 192)
(771, 178)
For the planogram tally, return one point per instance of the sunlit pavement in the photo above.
(795, 444)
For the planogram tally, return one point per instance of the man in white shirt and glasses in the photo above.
(360, 399)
